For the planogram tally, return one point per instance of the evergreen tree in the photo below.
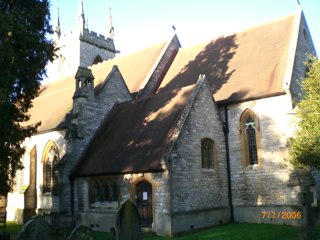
(24, 54)
(305, 146)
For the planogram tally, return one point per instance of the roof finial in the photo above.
(174, 28)
(299, 7)
(57, 31)
(81, 18)
(110, 28)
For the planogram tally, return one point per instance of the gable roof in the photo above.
(135, 67)
(246, 65)
(136, 136)
(54, 102)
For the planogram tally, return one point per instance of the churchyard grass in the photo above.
(237, 231)
(12, 228)
(241, 231)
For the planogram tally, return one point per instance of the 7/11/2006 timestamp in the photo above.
(281, 215)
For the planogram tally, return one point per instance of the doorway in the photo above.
(144, 202)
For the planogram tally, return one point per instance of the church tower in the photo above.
(80, 47)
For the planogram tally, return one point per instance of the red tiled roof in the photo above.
(246, 65)
(55, 100)
(135, 136)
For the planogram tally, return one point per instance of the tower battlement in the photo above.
(98, 40)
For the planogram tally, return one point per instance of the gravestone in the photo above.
(307, 227)
(128, 225)
(36, 229)
(4, 236)
(83, 233)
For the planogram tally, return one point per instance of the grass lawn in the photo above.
(240, 231)
(237, 231)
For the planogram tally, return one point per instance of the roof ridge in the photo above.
(245, 29)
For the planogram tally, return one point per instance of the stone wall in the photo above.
(199, 197)
(90, 112)
(263, 184)
(16, 198)
(90, 51)
(79, 50)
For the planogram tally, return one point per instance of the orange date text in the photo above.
(281, 215)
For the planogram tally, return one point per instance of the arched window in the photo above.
(250, 132)
(50, 167)
(208, 153)
(97, 60)
(103, 190)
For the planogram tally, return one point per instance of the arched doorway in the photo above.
(144, 202)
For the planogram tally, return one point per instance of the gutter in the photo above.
(226, 137)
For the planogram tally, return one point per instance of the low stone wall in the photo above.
(98, 221)
(182, 222)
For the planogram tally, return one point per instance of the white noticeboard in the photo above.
(144, 196)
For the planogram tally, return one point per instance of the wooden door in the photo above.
(144, 202)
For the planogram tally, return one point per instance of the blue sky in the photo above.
(141, 23)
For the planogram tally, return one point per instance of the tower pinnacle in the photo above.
(110, 29)
(81, 19)
(57, 31)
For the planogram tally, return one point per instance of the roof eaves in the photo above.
(228, 101)
(118, 173)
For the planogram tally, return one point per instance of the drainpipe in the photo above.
(226, 137)
(71, 180)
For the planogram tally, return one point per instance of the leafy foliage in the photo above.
(24, 53)
(305, 147)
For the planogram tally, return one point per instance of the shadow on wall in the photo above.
(274, 183)
(212, 61)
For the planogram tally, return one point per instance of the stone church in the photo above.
(194, 136)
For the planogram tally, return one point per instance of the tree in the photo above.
(305, 146)
(24, 54)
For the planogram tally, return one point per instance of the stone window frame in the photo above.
(93, 184)
(207, 164)
(50, 161)
(244, 138)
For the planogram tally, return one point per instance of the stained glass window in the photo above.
(50, 175)
(207, 146)
(250, 130)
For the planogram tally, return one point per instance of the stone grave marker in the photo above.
(82, 232)
(128, 225)
(36, 229)
(307, 228)
(4, 236)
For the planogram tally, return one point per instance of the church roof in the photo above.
(136, 136)
(242, 66)
(135, 67)
(54, 102)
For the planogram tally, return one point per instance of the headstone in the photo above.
(36, 229)
(83, 233)
(128, 225)
(4, 236)
(307, 228)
